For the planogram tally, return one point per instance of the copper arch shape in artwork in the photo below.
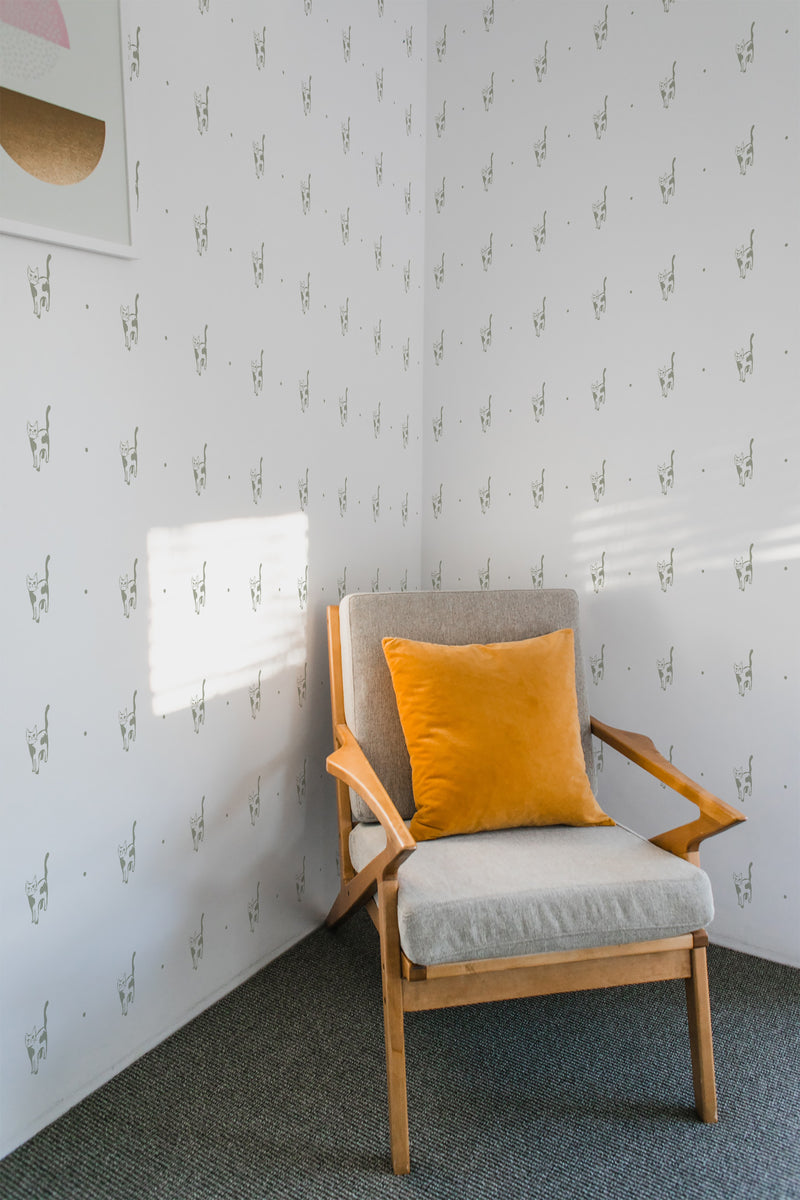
(54, 144)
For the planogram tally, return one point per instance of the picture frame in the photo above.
(64, 170)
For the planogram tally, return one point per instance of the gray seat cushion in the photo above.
(531, 891)
(447, 618)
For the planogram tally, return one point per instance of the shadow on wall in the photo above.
(227, 601)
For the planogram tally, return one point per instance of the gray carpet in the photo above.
(278, 1092)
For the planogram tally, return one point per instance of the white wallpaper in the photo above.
(199, 454)
(339, 208)
(611, 379)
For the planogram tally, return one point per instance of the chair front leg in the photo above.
(699, 1012)
(393, 1026)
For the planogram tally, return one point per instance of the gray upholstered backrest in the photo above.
(448, 618)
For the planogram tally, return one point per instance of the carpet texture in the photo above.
(275, 1093)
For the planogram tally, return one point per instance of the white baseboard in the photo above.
(756, 951)
(65, 1103)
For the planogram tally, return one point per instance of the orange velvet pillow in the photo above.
(493, 734)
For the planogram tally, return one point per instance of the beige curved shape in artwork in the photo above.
(56, 145)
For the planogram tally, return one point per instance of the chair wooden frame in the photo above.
(412, 987)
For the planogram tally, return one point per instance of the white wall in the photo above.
(77, 523)
(584, 126)
(85, 659)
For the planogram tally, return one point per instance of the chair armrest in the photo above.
(715, 814)
(350, 764)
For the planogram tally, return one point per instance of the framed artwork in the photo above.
(63, 154)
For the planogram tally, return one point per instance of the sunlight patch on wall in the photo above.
(226, 603)
(616, 541)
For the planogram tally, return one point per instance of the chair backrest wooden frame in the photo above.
(409, 986)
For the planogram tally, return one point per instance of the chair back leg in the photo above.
(393, 1026)
(699, 1012)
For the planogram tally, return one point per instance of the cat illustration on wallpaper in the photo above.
(257, 373)
(253, 908)
(666, 280)
(597, 664)
(40, 288)
(743, 777)
(199, 590)
(198, 707)
(441, 45)
(197, 826)
(36, 1042)
(200, 345)
(666, 474)
(260, 46)
(744, 360)
(258, 157)
(744, 886)
(258, 265)
(39, 440)
(196, 943)
(201, 111)
(254, 692)
(134, 54)
(39, 743)
(255, 588)
(126, 853)
(745, 50)
(667, 88)
(744, 569)
(36, 891)
(666, 183)
(129, 591)
(744, 257)
(743, 672)
(200, 470)
(666, 377)
(254, 803)
(201, 232)
(130, 323)
(39, 591)
(744, 464)
(745, 153)
(597, 572)
(127, 725)
(601, 30)
(302, 582)
(600, 210)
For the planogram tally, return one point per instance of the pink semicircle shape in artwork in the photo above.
(43, 18)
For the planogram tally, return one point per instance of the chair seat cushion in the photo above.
(531, 891)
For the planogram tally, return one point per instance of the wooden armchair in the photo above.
(432, 959)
